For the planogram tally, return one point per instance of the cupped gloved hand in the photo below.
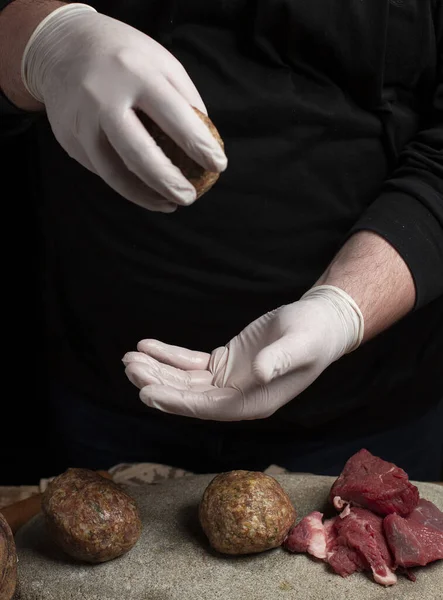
(268, 364)
(92, 73)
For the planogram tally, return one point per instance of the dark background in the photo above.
(26, 454)
(24, 431)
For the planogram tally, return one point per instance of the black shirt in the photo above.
(332, 116)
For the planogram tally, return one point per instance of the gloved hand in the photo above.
(91, 72)
(268, 364)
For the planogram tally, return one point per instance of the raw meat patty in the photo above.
(244, 512)
(91, 518)
(8, 561)
(200, 178)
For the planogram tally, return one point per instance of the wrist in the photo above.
(346, 313)
(373, 273)
(46, 44)
(17, 22)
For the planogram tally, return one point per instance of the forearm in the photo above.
(17, 22)
(372, 272)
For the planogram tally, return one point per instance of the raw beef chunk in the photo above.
(308, 536)
(418, 538)
(370, 482)
(361, 539)
(349, 543)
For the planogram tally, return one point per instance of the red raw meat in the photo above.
(350, 543)
(308, 536)
(342, 558)
(417, 539)
(361, 532)
(370, 482)
(383, 524)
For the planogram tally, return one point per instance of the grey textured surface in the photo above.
(172, 560)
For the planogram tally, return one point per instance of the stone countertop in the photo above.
(172, 560)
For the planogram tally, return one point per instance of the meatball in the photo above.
(8, 561)
(91, 518)
(244, 512)
(200, 178)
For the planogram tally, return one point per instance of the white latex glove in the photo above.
(268, 364)
(91, 72)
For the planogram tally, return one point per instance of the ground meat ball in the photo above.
(201, 179)
(91, 518)
(8, 561)
(244, 512)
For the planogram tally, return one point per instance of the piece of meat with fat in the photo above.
(342, 558)
(370, 482)
(361, 532)
(308, 536)
(350, 543)
(417, 539)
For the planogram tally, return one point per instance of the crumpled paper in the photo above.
(143, 473)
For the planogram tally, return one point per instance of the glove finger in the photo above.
(280, 358)
(176, 356)
(227, 404)
(184, 85)
(143, 157)
(108, 165)
(219, 404)
(176, 117)
(142, 374)
(76, 151)
(207, 404)
(141, 377)
(130, 357)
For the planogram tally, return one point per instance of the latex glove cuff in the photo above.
(46, 35)
(347, 311)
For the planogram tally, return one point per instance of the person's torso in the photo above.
(314, 101)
